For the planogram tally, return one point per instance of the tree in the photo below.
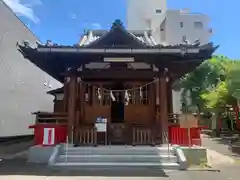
(213, 85)
(205, 78)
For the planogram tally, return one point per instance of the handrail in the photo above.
(66, 150)
(165, 135)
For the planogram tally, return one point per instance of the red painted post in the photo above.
(237, 118)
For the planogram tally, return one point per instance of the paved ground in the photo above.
(11, 150)
(218, 144)
(16, 167)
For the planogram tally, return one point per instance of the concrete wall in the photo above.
(177, 104)
(175, 33)
(23, 86)
(142, 14)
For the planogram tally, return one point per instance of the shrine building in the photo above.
(118, 77)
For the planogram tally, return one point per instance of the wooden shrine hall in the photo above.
(119, 76)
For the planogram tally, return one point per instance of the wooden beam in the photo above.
(115, 74)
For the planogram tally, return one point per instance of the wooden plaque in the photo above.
(188, 121)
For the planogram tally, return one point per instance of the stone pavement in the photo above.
(219, 145)
(12, 150)
(18, 169)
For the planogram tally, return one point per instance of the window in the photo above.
(158, 11)
(149, 23)
(181, 24)
(184, 38)
(198, 25)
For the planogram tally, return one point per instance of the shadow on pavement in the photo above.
(235, 153)
(19, 166)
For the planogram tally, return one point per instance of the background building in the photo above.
(23, 86)
(168, 27)
(145, 14)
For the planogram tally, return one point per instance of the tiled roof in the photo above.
(136, 39)
(92, 35)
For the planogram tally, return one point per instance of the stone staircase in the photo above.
(117, 157)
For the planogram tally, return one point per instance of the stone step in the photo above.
(118, 158)
(116, 147)
(118, 150)
(116, 153)
(115, 165)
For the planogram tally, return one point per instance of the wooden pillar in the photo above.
(79, 109)
(71, 106)
(65, 94)
(157, 131)
(163, 108)
(170, 98)
(82, 101)
(152, 102)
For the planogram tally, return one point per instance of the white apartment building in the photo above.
(168, 27)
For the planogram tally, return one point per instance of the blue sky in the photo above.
(63, 21)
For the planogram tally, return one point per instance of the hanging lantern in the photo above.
(112, 96)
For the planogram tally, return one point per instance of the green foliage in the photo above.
(215, 83)
(218, 97)
(234, 80)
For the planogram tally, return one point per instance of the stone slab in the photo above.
(195, 156)
(40, 154)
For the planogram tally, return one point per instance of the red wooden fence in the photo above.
(60, 133)
(183, 137)
(177, 135)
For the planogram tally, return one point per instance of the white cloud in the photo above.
(72, 15)
(24, 9)
(96, 25)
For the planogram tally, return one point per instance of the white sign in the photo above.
(49, 136)
(101, 127)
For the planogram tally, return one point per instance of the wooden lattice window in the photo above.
(139, 96)
(106, 99)
(94, 95)
(98, 96)
(87, 95)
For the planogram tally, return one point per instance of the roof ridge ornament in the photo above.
(26, 43)
(117, 24)
(49, 43)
